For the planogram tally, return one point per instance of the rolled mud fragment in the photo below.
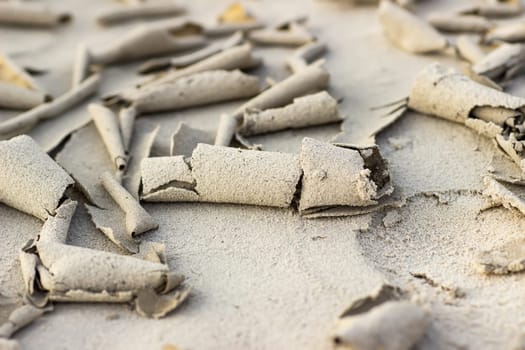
(151, 40)
(503, 63)
(408, 31)
(195, 90)
(25, 121)
(228, 175)
(191, 58)
(12, 73)
(511, 33)
(81, 64)
(292, 34)
(15, 97)
(143, 138)
(494, 10)
(29, 14)
(468, 48)
(226, 128)
(140, 10)
(76, 274)
(108, 127)
(310, 110)
(304, 55)
(339, 176)
(445, 93)
(393, 325)
(334, 176)
(30, 180)
(138, 220)
(126, 118)
(238, 57)
(18, 319)
(459, 23)
(501, 195)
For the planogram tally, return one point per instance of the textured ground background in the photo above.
(265, 278)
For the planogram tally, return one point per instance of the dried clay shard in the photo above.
(186, 138)
(310, 110)
(140, 10)
(126, 120)
(503, 63)
(238, 57)
(393, 325)
(459, 23)
(503, 260)
(10, 72)
(445, 93)
(341, 176)
(494, 10)
(108, 127)
(18, 319)
(291, 34)
(191, 58)
(15, 97)
(31, 15)
(195, 90)
(407, 31)
(81, 64)
(125, 221)
(224, 175)
(487, 129)
(25, 121)
(30, 180)
(150, 304)
(138, 220)
(469, 49)
(511, 33)
(76, 274)
(304, 55)
(151, 40)
(143, 138)
(499, 194)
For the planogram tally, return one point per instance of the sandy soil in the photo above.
(265, 278)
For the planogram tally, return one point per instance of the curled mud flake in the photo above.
(304, 55)
(459, 23)
(312, 79)
(26, 14)
(143, 139)
(407, 31)
(30, 180)
(500, 194)
(20, 318)
(294, 34)
(140, 10)
(383, 294)
(108, 127)
(27, 120)
(76, 274)
(503, 260)
(227, 127)
(310, 110)
(151, 40)
(150, 304)
(81, 65)
(511, 33)
(468, 48)
(180, 61)
(494, 10)
(195, 90)
(126, 120)
(393, 325)
(15, 97)
(503, 63)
